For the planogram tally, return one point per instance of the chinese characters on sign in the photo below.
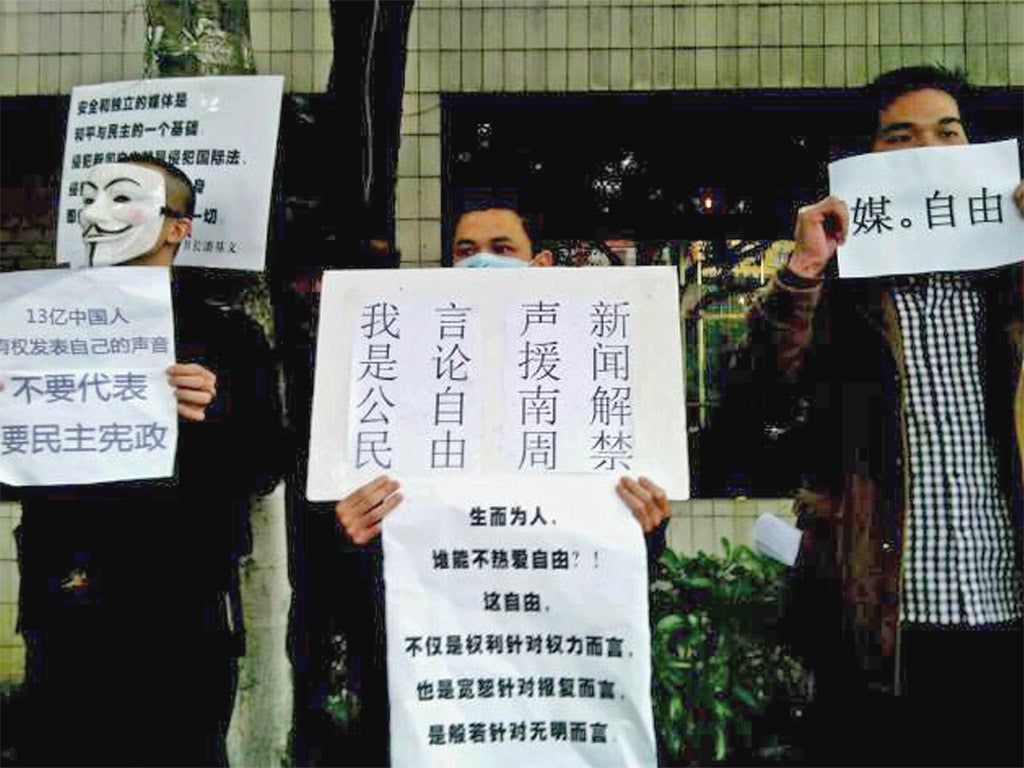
(568, 406)
(85, 395)
(537, 375)
(452, 381)
(413, 387)
(517, 618)
(461, 371)
(930, 209)
(379, 339)
(517, 626)
(203, 125)
(572, 413)
(872, 215)
(611, 405)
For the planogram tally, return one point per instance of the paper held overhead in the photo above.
(930, 209)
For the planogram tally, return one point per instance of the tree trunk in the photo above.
(211, 37)
(198, 37)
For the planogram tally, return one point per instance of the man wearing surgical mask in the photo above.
(128, 596)
(491, 234)
(495, 237)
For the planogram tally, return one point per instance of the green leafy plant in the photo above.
(716, 661)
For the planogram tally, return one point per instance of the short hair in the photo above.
(181, 193)
(889, 86)
(502, 199)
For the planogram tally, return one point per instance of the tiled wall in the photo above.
(12, 650)
(293, 38)
(50, 46)
(701, 524)
(621, 45)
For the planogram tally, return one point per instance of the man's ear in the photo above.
(179, 230)
(543, 258)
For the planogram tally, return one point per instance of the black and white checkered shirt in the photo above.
(959, 551)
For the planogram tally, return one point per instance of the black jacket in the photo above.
(156, 551)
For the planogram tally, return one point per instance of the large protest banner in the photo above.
(508, 402)
(930, 209)
(221, 131)
(517, 625)
(83, 361)
(534, 371)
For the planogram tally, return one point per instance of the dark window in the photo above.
(707, 181)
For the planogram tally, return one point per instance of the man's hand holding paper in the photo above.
(928, 209)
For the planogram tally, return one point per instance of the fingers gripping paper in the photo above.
(517, 625)
(930, 209)
(83, 360)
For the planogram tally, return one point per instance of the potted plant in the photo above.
(717, 662)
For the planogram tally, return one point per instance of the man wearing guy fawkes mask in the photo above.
(126, 217)
(128, 600)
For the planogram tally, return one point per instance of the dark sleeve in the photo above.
(239, 448)
(752, 442)
(655, 548)
(781, 325)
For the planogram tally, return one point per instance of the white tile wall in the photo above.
(12, 649)
(75, 42)
(28, 74)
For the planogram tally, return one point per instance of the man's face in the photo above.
(924, 118)
(498, 231)
(123, 214)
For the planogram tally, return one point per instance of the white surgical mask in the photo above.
(485, 259)
(124, 212)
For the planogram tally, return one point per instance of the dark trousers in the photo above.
(119, 698)
(336, 642)
(964, 696)
(962, 703)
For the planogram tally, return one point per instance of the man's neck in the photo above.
(162, 257)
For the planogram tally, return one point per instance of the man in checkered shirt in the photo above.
(912, 401)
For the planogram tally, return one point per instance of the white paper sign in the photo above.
(221, 131)
(777, 539)
(83, 360)
(930, 209)
(534, 371)
(517, 625)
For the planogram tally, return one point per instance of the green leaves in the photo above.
(715, 666)
(744, 695)
(670, 623)
(697, 582)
